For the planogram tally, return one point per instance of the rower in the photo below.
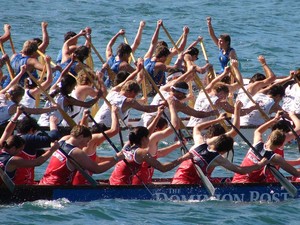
(207, 152)
(272, 149)
(61, 171)
(12, 159)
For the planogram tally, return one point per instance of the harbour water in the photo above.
(270, 28)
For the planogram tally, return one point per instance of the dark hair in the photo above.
(174, 70)
(282, 125)
(15, 92)
(257, 77)
(135, 136)
(120, 77)
(68, 35)
(101, 127)
(193, 51)
(223, 143)
(181, 84)
(29, 84)
(162, 43)
(38, 41)
(161, 51)
(220, 87)
(25, 124)
(276, 90)
(14, 141)
(80, 130)
(215, 130)
(82, 52)
(226, 38)
(67, 82)
(123, 49)
(226, 79)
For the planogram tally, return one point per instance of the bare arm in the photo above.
(138, 36)
(236, 120)
(195, 113)
(42, 47)
(18, 162)
(258, 133)
(9, 129)
(163, 167)
(15, 80)
(239, 169)
(154, 40)
(278, 160)
(67, 48)
(88, 164)
(211, 31)
(110, 44)
(46, 84)
(197, 136)
(4, 37)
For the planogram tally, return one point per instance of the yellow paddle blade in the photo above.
(90, 62)
(94, 109)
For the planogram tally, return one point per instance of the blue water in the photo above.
(256, 27)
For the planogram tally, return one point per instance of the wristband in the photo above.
(13, 121)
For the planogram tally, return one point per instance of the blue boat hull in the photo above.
(253, 192)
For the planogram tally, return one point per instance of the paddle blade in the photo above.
(206, 182)
(7, 181)
(290, 188)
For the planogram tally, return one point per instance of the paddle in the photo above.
(207, 184)
(200, 85)
(12, 45)
(111, 73)
(7, 181)
(169, 59)
(162, 97)
(144, 86)
(66, 117)
(7, 62)
(52, 63)
(294, 132)
(116, 150)
(78, 167)
(211, 73)
(105, 99)
(291, 189)
(264, 115)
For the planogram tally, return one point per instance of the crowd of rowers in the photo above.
(72, 87)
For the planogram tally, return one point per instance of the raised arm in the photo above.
(46, 84)
(4, 37)
(154, 40)
(152, 126)
(182, 45)
(211, 31)
(109, 51)
(258, 133)
(67, 50)
(10, 127)
(236, 120)
(197, 136)
(16, 79)
(45, 37)
(138, 37)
